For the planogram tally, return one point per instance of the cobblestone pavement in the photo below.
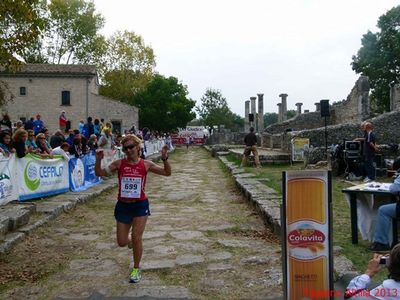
(202, 241)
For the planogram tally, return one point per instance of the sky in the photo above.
(302, 48)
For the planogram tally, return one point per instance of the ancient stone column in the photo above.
(253, 111)
(260, 113)
(279, 112)
(298, 104)
(317, 106)
(246, 115)
(284, 106)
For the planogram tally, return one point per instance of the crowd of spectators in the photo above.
(34, 137)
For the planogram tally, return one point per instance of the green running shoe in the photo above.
(135, 275)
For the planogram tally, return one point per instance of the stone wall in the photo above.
(356, 107)
(386, 129)
(229, 138)
(352, 110)
(299, 122)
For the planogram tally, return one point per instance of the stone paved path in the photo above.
(202, 241)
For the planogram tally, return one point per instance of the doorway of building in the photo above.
(116, 126)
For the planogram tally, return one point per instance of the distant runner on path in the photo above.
(132, 208)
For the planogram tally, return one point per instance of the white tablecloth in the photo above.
(367, 208)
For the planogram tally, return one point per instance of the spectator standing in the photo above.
(107, 126)
(62, 121)
(88, 129)
(81, 126)
(19, 125)
(96, 127)
(106, 141)
(250, 141)
(71, 136)
(29, 124)
(38, 124)
(5, 123)
(19, 139)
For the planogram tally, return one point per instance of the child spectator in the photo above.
(19, 138)
(5, 143)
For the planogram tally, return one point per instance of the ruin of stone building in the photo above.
(395, 97)
(260, 111)
(284, 106)
(298, 111)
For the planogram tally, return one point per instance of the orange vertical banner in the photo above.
(307, 247)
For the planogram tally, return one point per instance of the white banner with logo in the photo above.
(41, 177)
(8, 186)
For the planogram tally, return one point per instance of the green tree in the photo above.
(270, 118)
(127, 67)
(238, 123)
(21, 24)
(164, 104)
(214, 110)
(379, 58)
(72, 34)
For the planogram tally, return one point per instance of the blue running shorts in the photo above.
(125, 212)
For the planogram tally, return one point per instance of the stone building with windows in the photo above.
(49, 89)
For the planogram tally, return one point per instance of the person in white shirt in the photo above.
(388, 289)
(61, 150)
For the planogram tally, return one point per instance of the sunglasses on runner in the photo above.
(128, 147)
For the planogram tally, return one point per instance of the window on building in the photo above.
(22, 91)
(65, 98)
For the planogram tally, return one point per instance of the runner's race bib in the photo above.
(131, 187)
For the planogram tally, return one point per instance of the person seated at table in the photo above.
(388, 289)
(386, 213)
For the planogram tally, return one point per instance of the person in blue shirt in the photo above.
(386, 213)
(38, 125)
